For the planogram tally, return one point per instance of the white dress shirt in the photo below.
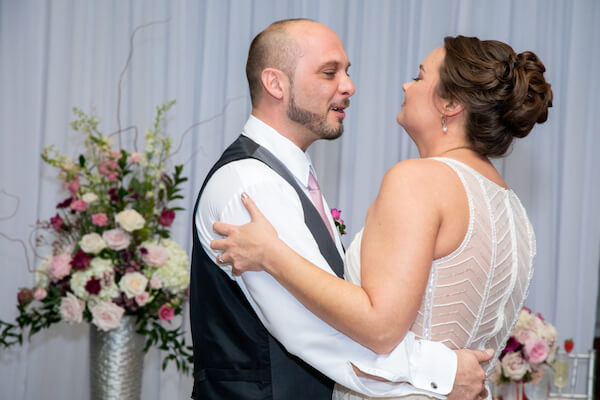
(414, 366)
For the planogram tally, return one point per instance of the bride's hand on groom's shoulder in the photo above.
(245, 247)
(469, 383)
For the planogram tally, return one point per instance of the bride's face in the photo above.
(420, 110)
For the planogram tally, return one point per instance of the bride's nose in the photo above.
(406, 85)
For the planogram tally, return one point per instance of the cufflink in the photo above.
(433, 385)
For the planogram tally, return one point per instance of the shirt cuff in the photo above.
(432, 369)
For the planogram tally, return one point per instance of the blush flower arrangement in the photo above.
(111, 253)
(529, 352)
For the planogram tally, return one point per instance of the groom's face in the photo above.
(320, 87)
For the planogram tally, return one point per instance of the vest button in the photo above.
(434, 385)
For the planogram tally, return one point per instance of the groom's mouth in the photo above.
(338, 110)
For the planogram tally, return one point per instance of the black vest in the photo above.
(234, 355)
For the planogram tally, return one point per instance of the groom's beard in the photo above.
(316, 123)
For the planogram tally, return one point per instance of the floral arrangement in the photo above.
(111, 254)
(339, 222)
(529, 352)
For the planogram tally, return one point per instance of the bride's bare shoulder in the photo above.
(420, 172)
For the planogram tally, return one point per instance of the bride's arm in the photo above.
(396, 254)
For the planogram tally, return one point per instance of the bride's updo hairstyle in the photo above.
(504, 94)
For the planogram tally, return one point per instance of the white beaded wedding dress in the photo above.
(474, 295)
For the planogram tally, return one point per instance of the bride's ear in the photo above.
(452, 108)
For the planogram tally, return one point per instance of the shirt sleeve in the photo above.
(414, 366)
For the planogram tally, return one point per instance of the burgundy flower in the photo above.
(93, 286)
(81, 260)
(57, 222)
(25, 296)
(166, 217)
(511, 345)
(114, 195)
(66, 203)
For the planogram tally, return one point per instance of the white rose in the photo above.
(514, 366)
(130, 220)
(524, 320)
(92, 243)
(117, 239)
(133, 284)
(71, 309)
(107, 315)
(89, 197)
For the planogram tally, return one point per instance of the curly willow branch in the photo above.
(125, 70)
(16, 207)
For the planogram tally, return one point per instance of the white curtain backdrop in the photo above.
(55, 55)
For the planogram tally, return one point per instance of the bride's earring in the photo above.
(444, 126)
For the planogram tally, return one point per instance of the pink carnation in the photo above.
(536, 350)
(79, 205)
(60, 266)
(99, 219)
(166, 313)
(335, 213)
(109, 169)
(73, 186)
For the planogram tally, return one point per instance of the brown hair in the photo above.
(273, 47)
(504, 94)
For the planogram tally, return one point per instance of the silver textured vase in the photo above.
(116, 362)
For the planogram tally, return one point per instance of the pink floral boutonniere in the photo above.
(339, 223)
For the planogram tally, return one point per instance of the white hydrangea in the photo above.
(174, 274)
(100, 269)
(41, 274)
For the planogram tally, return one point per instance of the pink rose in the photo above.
(71, 308)
(135, 157)
(79, 205)
(107, 315)
(59, 266)
(115, 155)
(523, 335)
(536, 350)
(39, 294)
(155, 283)
(166, 313)
(116, 239)
(155, 255)
(142, 298)
(99, 219)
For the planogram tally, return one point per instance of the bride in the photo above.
(447, 249)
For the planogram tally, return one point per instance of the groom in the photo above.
(252, 339)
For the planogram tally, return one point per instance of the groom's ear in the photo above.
(274, 82)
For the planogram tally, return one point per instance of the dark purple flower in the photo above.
(93, 286)
(66, 203)
(166, 217)
(81, 260)
(57, 222)
(143, 250)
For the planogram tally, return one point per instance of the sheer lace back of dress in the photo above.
(474, 295)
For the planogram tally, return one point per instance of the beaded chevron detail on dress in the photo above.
(474, 295)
